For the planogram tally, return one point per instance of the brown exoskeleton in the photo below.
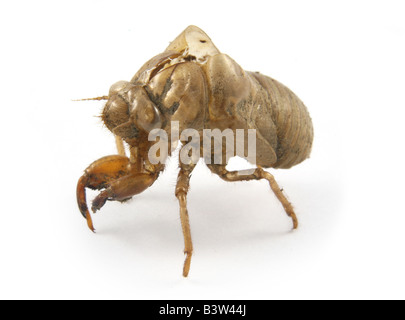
(195, 85)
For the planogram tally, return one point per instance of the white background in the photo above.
(346, 62)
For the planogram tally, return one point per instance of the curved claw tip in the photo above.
(90, 222)
(81, 200)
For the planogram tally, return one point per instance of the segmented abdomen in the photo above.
(294, 125)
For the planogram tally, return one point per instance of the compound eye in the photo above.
(117, 87)
(115, 112)
(148, 117)
(144, 112)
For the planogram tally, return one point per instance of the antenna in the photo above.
(98, 98)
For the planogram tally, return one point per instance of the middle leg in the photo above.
(182, 188)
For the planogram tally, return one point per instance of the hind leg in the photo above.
(258, 174)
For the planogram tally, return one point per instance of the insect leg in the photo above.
(258, 174)
(119, 178)
(96, 177)
(182, 188)
(124, 188)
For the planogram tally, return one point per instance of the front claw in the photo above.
(124, 188)
(97, 176)
(120, 179)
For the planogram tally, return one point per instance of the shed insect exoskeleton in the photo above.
(195, 86)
